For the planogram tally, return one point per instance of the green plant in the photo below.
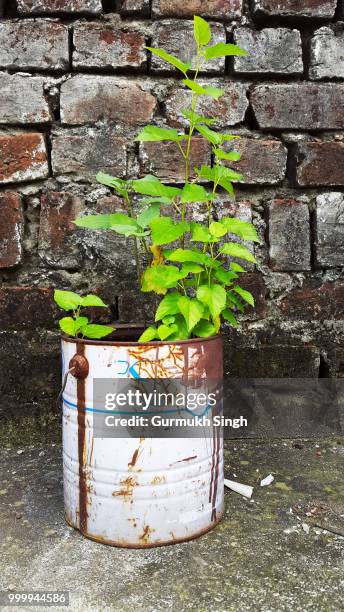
(77, 324)
(191, 264)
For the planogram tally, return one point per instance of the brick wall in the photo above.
(75, 85)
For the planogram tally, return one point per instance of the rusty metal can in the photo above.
(138, 492)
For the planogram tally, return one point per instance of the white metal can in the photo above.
(138, 492)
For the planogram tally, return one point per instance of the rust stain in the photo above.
(145, 535)
(107, 36)
(82, 445)
(186, 459)
(127, 488)
(158, 480)
(134, 458)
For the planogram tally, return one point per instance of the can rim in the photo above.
(133, 326)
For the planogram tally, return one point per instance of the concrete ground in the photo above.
(262, 557)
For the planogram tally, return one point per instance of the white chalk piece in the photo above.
(242, 489)
(267, 481)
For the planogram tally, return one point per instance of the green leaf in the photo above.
(96, 221)
(194, 193)
(119, 185)
(204, 329)
(191, 310)
(237, 250)
(241, 228)
(214, 92)
(224, 276)
(222, 50)
(195, 118)
(148, 335)
(231, 156)
(170, 59)
(217, 229)
(160, 278)
(230, 137)
(233, 300)
(182, 331)
(183, 255)
(206, 172)
(152, 133)
(221, 172)
(202, 31)
(246, 295)
(200, 233)
(164, 331)
(92, 300)
(213, 137)
(148, 214)
(214, 297)
(67, 300)
(191, 268)
(123, 224)
(164, 230)
(150, 185)
(92, 330)
(237, 267)
(67, 324)
(195, 87)
(168, 320)
(168, 306)
(229, 316)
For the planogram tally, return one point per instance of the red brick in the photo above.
(315, 300)
(84, 151)
(165, 161)
(23, 157)
(27, 308)
(289, 235)
(58, 246)
(295, 8)
(11, 227)
(230, 108)
(88, 98)
(107, 45)
(307, 106)
(59, 6)
(224, 9)
(320, 163)
(262, 161)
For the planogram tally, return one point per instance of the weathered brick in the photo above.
(11, 228)
(320, 163)
(87, 98)
(22, 100)
(330, 230)
(27, 308)
(137, 307)
(315, 300)
(327, 53)
(86, 7)
(262, 161)
(254, 282)
(23, 157)
(224, 9)
(271, 50)
(108, 45)
(270, 361)
(241, 209)
(230, 108)
(323, 9)
(176, 37)
(307, 106)
(33, 44)
(57, 245)
(165, 161)
(84, 152)
(289, 235)
(136, 7)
